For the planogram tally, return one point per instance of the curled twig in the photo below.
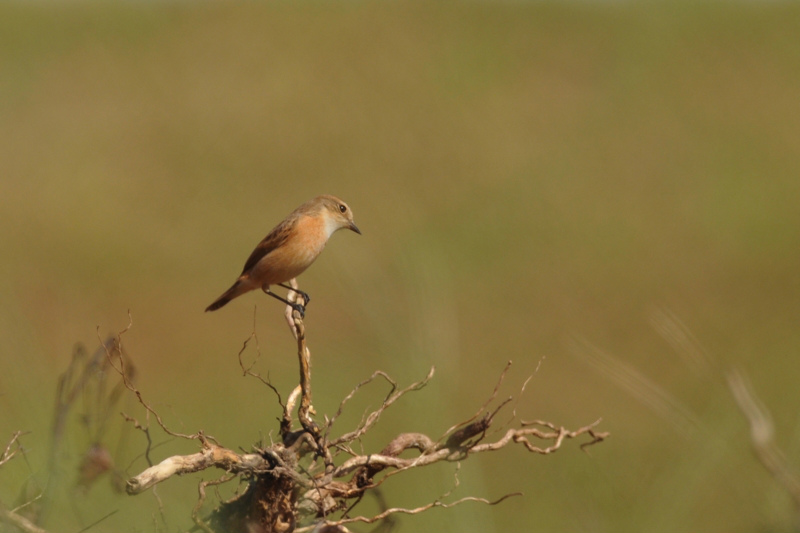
(399, 510)
(120, 368)
(12, 448)
(201, 491)
(352, 393)
(482, 408)
(248, 371)
(373, 417)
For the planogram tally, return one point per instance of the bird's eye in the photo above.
(343, 208)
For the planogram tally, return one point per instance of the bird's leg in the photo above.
(297, 307)
(305, 295)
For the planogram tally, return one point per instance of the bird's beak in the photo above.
(353, 227)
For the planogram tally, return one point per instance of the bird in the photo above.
(290, 248)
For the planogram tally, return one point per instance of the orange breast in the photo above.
(298, 252)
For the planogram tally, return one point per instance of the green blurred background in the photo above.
(540, 182)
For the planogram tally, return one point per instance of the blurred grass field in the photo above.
(534, 182)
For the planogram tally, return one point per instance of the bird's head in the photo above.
(337, 214)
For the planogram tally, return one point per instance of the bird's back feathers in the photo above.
(276, 238)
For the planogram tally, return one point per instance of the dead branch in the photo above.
(11, 517)
(304, 357)
(212, 456)
(327, 491)
(12, 448)
(20, 522)
(284, 495)
(454, 450)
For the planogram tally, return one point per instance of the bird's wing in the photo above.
(275, 239)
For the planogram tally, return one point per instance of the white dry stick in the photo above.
(211, 456)
(19, 522)
(762, 435)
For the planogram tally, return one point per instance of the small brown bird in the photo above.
(290, 248)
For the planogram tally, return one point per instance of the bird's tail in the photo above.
(235, 290)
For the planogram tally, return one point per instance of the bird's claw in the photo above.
(300, 309)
